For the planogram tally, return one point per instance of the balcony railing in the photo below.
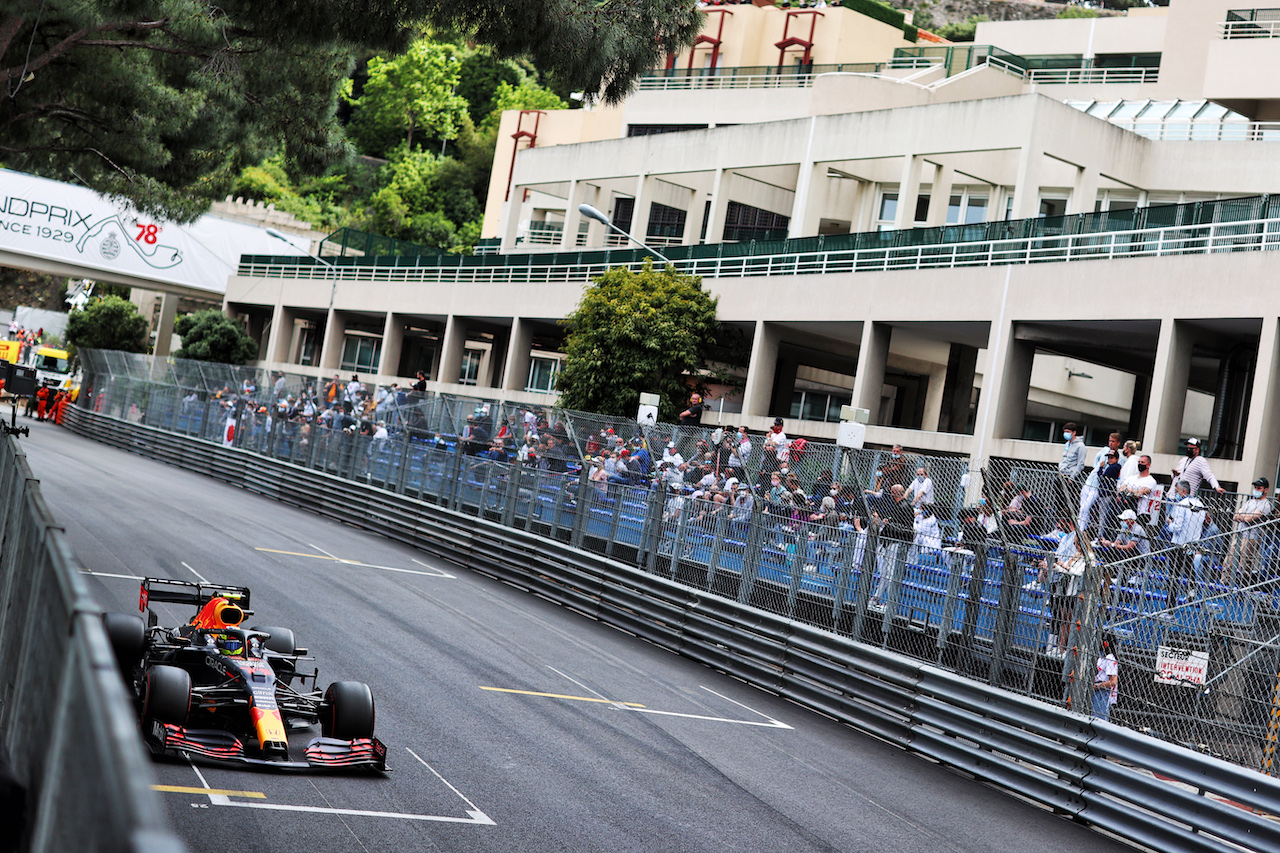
(1056, 76)
(1251, 24)
(1175, 130)
(1193, 239)
(763, 76)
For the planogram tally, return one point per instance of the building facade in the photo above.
(976, 243)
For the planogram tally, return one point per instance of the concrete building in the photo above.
(1140, 302)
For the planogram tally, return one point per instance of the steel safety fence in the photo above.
(68, 729)
(1129, 783)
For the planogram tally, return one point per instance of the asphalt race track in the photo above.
(510, 724)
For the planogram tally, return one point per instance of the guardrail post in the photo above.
(751, 558)
(870, 561)
(717, 544)
(453, 488)
(483, 503)
(513, 494)
(1006, 613)
(583, 511)
(652, 533)
(618, 491)
(972, 606)
(402, 473)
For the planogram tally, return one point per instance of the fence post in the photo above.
(513, 494)
(717, 544)
(454, 486)
(615, 520)
(652, 534)
(870, 559)
(1006, 613)
(751, 557)
(582, 512)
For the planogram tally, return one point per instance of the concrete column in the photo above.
(1168, 400)
(392, 345)
(494, 366)
(512, 208)
(572, 218)
(940, 196)
(957, 391)
(516, 373)
(1026, 189)
(908, 191)
(281, 339)
(595, 230)
(761, 370)
(806, 208)
(692, 219)
(640, 210)
(995, 204)
(452, 347)
(335, 331)
(873, 355)
(864, 215)
(1005, 386)
(164, 324)
(1085, 191)
(1262, 430)
(933, 397)
(720, 189)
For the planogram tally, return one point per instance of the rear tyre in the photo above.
(168, 695)
(128, 637)
(281, 640)
(347, 712)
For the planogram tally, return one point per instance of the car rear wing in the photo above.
(185, 592)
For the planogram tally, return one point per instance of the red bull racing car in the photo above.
(214, 689)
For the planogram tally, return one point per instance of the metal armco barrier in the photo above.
(1142, 789)
(68, 730)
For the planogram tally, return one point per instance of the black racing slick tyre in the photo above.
(281, 640)
(128, 637)
(347, 712)
(168, 695)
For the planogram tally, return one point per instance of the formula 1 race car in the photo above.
(214, 689)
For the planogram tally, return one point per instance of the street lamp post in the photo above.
(591, 213)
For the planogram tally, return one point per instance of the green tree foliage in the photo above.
(632, 333)
(962, 31)
(210, 335)
(1078, 12)
(164, 102)
(478, 79)
(528, 95)
(410, 92)
(108, 323)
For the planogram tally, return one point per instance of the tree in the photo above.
(963, 30)
(108, 323)
(525, 96)
(162, 103)
(210, 335)
(407, 92)
(632, 333)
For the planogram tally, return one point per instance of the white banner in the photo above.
(1181, 666)
(50, 220)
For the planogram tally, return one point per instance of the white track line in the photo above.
(93, 574)
(199, 576)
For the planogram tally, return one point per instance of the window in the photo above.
(743, 222)
(470, 372)
(966, 209)
(542, 374)
(307, 345)
(361, 353)
(889, 211)
(818, 406)
(666, 222)
(623, 210)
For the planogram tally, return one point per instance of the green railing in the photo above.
(958, 57)
(1162, 216)
(348, 242)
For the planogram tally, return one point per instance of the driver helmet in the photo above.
(230, 645)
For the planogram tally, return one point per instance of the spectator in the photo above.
(621, 471)
(740, 514)
(1128, 460)
(1091, 492)
(1194, 469)
(1130, 541)
(1106, 681)
(1069, 468)
(351, 393)
(985, 517)
(474, 437)
(420, 385)
(827, 513)
(921, 489)
(894, 471)
(777, 447)
(893, 513)
(641, 462)
(1186, 523)
(672, 456)
(741, 453)
(692, 416)
(1025, 516)
(1063, 554)
(1241, 562)
(1141, 492)
(928, 534)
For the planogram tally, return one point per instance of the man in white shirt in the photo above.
(1089, 494)
(920, 492)
(1186, 521)
(1144, 487)
(672, 456)
(1241, 561)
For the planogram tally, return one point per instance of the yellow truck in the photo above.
(53, 366)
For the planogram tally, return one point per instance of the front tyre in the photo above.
(168, 695)
(347, 712)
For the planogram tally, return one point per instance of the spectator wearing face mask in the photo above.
(1143, 489)
(894, 470)
(921, 489)
(1242, 558)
